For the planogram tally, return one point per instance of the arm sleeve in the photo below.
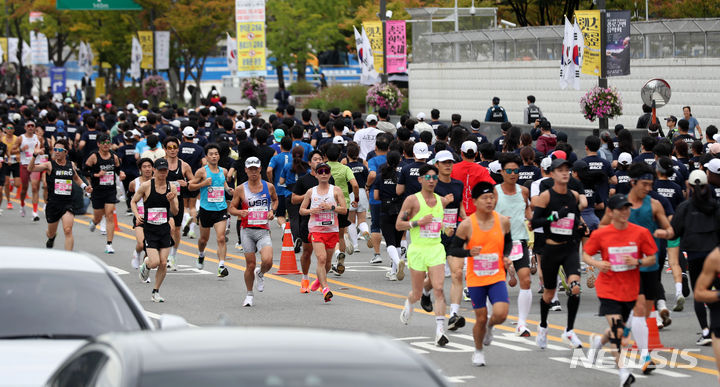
(456, 248)
(539, 218)
(507, 245)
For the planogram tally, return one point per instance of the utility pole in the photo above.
(152, 28)
(384, 75)
(602, 80)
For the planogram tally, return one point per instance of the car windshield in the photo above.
(282, 375)
(61, 304)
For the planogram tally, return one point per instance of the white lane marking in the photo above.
(512, 337)
(157, 317)
(118, 270)
(449, 347)
(366, 268)
(614, 371)
(411, 338)
(671, 374)
(459, 379)
(189, 269)
(494, 343)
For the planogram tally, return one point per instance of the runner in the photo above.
(323, 203)
(146, 173)
(178, 176)
(390, 203)
(487, 236)
(102, 165)
(210, 180)
(28, 144)
(422, 214)
(706, 290)
(624, 247)
(512, 201)
(61, 175)
(12, 167)
(274, 169)
(344, 178)
(160, 204)
(255, 202)
(558, 213)
(357, 214)
(193, 154)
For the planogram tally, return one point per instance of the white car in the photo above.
(52, 303)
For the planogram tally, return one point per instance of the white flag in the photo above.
(577, 58)
(231, 53)
(89, 60)
(2, 54)
(39, 48)
(13, 50)
(135, 58)
(85, 59)
(566, 58)
(26, 54)
(81, 56)
(369, 75)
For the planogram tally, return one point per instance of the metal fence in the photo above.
(680, 38)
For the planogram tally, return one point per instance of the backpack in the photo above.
(497, 114)
(533, 114)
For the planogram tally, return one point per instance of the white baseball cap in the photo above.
(43, 113)
(98, 100)
(713, 166)
(142, 119)
(495, 167)
(251, 112)
(252, 162)
(68, 100)
(420, 151)
(212, 109)
(339, 140)
(716, 137)
(175, 123)
(546, 163)
(371, 118)
(189, 131)
(130, 107)
(240, 125)
(136, 132)
(215, 92)
(420, 116)
(625, 158)
(468, 146)
(698, 177)
(444, 155)
(145, 102)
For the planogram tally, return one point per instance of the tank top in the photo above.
(157, 211)
(174, 175)
(643, 216)
(31, 142)
(425, 239)
(327, 220)
(258, 205)
(105, 182)
(140, 203)
(562, 230)
(513, 206)
(9, 142)
(487, 267)
(212, 198)
(59, 182)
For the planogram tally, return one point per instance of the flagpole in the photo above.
(384, 75)
(602, 80)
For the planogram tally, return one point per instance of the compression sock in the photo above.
(454, 309)
(573, 305)
(640, 332)
(352, 231)
(544, 310)
(524, 305)
(394, 256)
(35, 207)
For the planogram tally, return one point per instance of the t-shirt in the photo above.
(307, 148)
(128, 162)
(647, 157)
(374, 165)
(342, 175)
(192, 154)
(408, 177)
(621, 283)
(470, 174)
(452, 210)
(366, 140)
(597, 164)
(265, 154)
(385, 187)
(669, 190)
(528, 173)
(277, 163)
(360, 171)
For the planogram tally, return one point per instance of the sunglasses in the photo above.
(510, 171)
(323, 171)
(171, 147)
(30, 125)
(431, 177)
(59, 149)
(104, 142)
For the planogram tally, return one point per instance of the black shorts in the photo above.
(343, 221)
(208, 219)
(2, 174)
(391, 234)
(181, 212)
(623, 308)
(100, 198)
(565, 255)
(525, 260)
(304, 233)
(55, 210)
(158, 241)
(649, 284)
(282, 206)
(13, 170)
(134, 224)
(539, 244)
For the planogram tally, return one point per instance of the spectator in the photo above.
(496, 113)
(532, 112)
(644, 119)
(693, 123)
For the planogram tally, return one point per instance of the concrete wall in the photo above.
(468, 88)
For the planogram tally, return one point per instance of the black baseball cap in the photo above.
(557, 163)
(618, 201)
(671, 118)
(161, 163)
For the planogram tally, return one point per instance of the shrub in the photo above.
(343, 97)
(302, 88)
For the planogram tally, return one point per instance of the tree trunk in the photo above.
(200, 64)
(21, 68)
(280, 75)
(301, 70)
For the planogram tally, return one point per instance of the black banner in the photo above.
(617, 49)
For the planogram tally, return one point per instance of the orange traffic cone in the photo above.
(117, 228)
(288, 264)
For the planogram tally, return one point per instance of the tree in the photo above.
(58, 27)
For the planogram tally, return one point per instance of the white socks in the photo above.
(440, 322)
(363, 227)
(404, 243)
(524, 305)
(661, 304)
(306, 277)
(640, 332)
(222, 262)
(678, 289)
(426, 292)
(352, 231)
(394, 256)
(454, 309)
(173, 251)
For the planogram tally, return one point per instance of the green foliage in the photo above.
(122, 95)
(302, 87)
(343, 97)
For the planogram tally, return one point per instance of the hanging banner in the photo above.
(10, 48)
(146, 42)
(99, 86)
(373, 29)
(39, 48)
(589, 22)
(136, 56)
(251, 50)
(57, 79)
(162, 50)
(617, 38)
(249, 11)
(396, 44)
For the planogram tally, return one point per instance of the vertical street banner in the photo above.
(617, 38)
(57, 79)
(146, 42)
(251, 37)
(396, 44)
(589, 22)
(162, 50)
(374, 32)
(39, 48)
(136, 57)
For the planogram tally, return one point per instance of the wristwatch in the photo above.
(332, 208)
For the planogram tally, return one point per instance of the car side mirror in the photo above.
(171, 321)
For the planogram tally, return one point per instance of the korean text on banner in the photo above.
(162, 50)
(396, 46)
(589, 22)
(374, 32)
(617, 36)
(146, 42)
(251, 49)
(249, 11)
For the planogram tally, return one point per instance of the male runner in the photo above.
(255, 202)
(28, 144)
(487, 236)
(160, 204)
(12, 167)
(61, 175)
(193, 154)
(210, 180)
(706, 290)
(145, 165)
(323, 203)
(179, 173)
(422, 214)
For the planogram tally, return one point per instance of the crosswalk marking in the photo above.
(495, 343)
(513, 337)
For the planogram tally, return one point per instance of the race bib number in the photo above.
(216, 194)
(141, 209)
(432, 229)
(617, 255)
(257, 216)
(517, 251)
(63, 187)
(107, 178)
(157, 216)
(486, 264)
(563, 226)
(41, 159)
(325, 218)
(450, 217)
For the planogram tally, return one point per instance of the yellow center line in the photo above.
(379, 302)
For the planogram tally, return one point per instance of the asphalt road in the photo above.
(365, 301)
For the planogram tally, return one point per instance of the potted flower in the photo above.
(386, 96)
(154, 87)
(255, 91)
(601, 102)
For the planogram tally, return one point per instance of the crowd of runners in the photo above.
(444, 200)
